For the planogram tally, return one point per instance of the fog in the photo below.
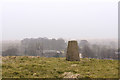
(95, 19)
(44, 47)
(43, 28)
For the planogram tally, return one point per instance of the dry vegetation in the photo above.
(41, 67)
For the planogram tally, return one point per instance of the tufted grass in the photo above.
(41, 67)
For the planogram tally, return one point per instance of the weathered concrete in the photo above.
(72, 51)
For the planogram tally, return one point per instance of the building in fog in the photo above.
(52, 53)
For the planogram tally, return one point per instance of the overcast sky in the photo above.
(63, 18)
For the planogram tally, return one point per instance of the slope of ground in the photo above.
(37, 67)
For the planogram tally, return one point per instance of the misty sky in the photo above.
(55, 19)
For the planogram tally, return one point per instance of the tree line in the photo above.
(38, 46)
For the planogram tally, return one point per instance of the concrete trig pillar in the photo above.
(72, 51)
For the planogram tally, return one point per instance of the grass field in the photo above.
(41, 67)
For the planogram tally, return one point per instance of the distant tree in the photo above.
(85, 49)
(10, 52)
(61, 45)
(87, 52)
(34, 47)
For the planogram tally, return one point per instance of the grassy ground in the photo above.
(37, 67)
